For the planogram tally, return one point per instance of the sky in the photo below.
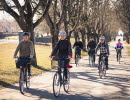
(4, 15)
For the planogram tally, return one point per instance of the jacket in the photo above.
(63, 47)
(25, 48)
(104, 48)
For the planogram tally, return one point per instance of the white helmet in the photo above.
(102, 38)
(62, 33)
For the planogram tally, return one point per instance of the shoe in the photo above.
(29, 74)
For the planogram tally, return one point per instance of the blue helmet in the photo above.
(26, 34)
(62, 33)
(91, 37)
(102, 38)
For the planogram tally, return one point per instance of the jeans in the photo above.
(63, 64)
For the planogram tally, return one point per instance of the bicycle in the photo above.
(59, 80)
(102, 66)
(118, 54)
(91, 59)
(24, 78)
(77, 56)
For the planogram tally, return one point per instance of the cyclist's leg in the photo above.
(80, 53)
(93, 55)
(29, 69)
(59, 68)
(65, 68)
(106, 62)
(99, 61)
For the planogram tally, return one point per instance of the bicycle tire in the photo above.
(21, 81)
(66, 85)
(56, 76)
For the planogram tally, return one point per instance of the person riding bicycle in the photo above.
(91, 46)
(25, 49)
(119, 45)
(63, 47)
(104, 50)
(78, 45)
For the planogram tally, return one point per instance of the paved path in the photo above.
(85, 83)
(2, 41)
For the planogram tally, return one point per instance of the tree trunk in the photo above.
(83, 39)
(54, 38)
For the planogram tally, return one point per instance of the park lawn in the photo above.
(128, 47)
(8, 72)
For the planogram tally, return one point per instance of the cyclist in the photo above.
(91, 46)
(25, 49)
(78, 47)
(104, 50)
(63, 47)
(119, 45)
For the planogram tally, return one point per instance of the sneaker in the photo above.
(29, 74)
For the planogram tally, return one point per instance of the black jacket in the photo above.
(79, 44)
(91, 45)
(63, 47)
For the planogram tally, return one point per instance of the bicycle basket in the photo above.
(22, 62)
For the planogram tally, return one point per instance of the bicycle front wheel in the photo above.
(66, 82)
(56, 84)
(21, 81)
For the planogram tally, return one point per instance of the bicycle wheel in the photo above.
(77, 59)
(56, 85)
(119, 57)
(101, 70)
(90, 61)
(66, 84)
(21, 81)
(27, 80)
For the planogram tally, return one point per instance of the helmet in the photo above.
(91, 37)
(102, 38)
(26, 34)
(119, 39)
(78, 38)
(62, 33)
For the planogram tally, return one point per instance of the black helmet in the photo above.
(78, 38)
(91, 37)
(119, 39)
(26, 34)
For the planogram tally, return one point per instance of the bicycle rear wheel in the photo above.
(119, 57)
(21, 81)
(27, 80)
(91, 62)
(66, 84)
(77, 60)
(56, 84)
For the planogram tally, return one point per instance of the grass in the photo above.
(128, 47)
(8, 72)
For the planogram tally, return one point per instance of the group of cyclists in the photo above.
(63, 47)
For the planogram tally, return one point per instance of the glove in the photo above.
(31, 56)
(50, 56)
(69, 56)
(14, 57)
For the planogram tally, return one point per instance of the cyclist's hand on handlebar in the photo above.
(15, 57)
(31, 56)
(50, 56)
(69, 56)
(107, 55)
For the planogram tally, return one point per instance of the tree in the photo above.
(25, 11)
